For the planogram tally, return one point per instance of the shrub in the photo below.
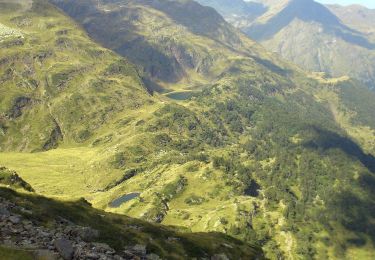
(194, 200)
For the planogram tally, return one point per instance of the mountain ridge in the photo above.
(235, 141)
(298, 32)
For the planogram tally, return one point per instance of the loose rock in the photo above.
(15, 219)
(61, 240)
(65, 248)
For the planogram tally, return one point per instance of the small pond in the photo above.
(124, 198)
(180, 95)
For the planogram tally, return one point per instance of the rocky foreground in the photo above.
(60, 240)
(36, 227)
(63, 239)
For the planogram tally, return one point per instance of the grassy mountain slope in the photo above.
(312, 36)
(179, 45)
(89, 95)
(53, 75)
(260, 151)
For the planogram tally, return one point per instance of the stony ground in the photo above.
(60, 240)
(5, 31)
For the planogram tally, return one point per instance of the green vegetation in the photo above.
(360, 101)
(11, 254)
(56, 76)
(11, 178)
(260, 150)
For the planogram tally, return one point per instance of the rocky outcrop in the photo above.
(65, 248)
(127, 175)
(56, 136)
(60, 240)
(19, 105)
(11, 178)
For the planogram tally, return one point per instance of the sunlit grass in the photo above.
(62, 172)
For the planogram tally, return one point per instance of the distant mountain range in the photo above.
(357, 17)
(334, 39)
(163, 111)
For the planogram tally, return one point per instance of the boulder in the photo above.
(87, 234)
(15, 219)
(139, 249)
(103, 248)
(65, 248)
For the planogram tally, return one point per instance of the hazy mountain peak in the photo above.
(235, 141)
(357, 17)
(315, 36)
(306, 10)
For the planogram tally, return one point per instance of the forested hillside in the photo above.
(207, 131)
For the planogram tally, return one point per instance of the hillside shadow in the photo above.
(123, 38)
(152, 86)
(309, 11)
(355, 213)
(272, 67)
(327, 140)
(354, 207)
(200, 20)
(154, 62)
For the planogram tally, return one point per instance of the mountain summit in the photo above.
(312, 35)
(134, 115)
